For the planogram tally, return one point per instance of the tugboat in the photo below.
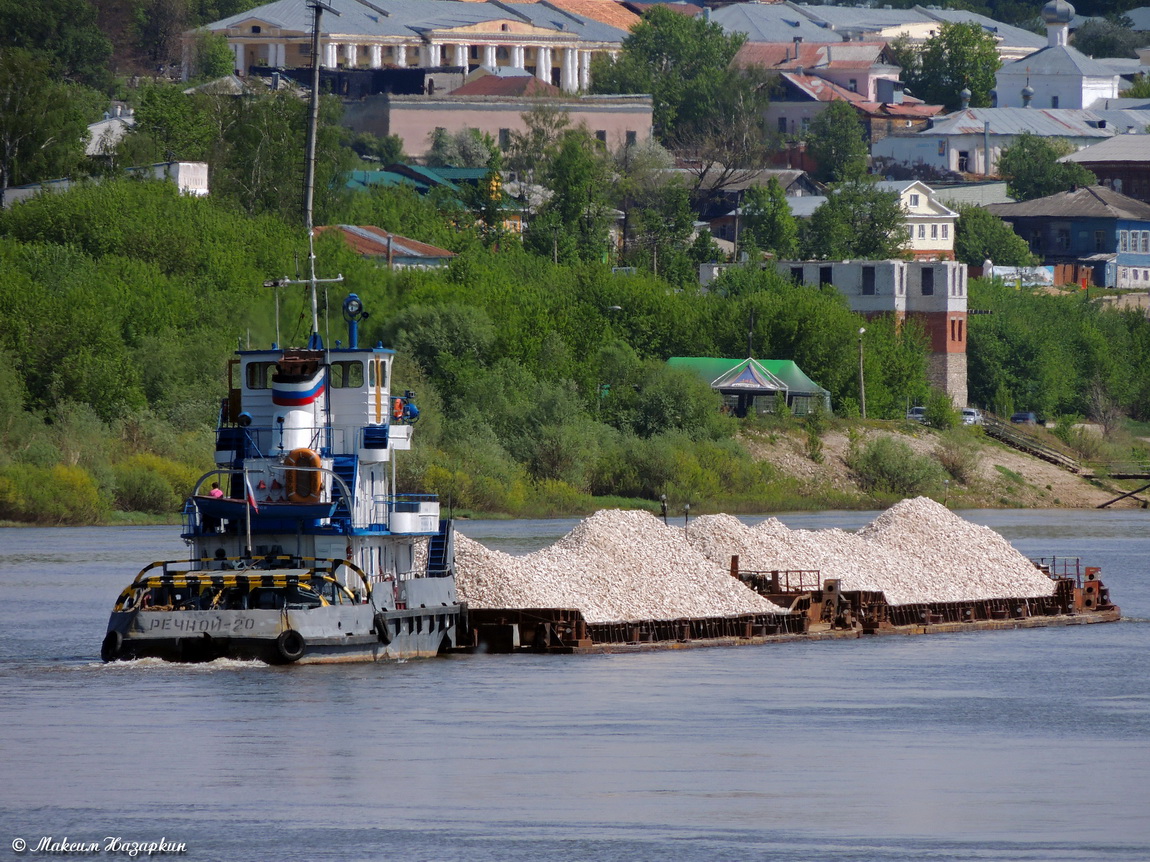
(302, 551)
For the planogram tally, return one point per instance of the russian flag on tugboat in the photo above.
(297, 394)
(251, 494)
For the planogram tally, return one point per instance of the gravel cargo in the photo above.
(916, 552)
(616, 566)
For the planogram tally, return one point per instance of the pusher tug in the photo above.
(302, 551)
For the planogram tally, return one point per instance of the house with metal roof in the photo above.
(1121, 163)
(554, 40)
(1059, 75)
(741, 381)
(866, 23)
(970, 141)
(1094, 227)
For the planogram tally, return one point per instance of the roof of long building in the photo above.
(1086, 202)
(374, 241)
(1047, 122)
(412, 18)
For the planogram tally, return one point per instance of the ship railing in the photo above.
(407, 513)
(783, 580)
(1060, 567)
(193, 520)
(263, 441)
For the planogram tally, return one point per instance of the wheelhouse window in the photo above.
(347, 375)
(259, 375)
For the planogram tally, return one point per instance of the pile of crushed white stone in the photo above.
(629, 566)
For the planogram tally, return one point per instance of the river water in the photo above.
(1015, 745)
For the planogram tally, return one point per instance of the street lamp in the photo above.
(862, 378)
(663, 505)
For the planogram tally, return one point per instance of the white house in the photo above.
(930, 223)
(1058, 76)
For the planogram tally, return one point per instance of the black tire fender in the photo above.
(111, 647)
(290, 646)
(381, 630)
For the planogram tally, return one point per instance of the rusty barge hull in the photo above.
(814, 614)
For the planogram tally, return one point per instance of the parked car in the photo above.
(1024, 418)
(916, 414)
(971, 416)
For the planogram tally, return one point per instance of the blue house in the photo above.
(1093, 228)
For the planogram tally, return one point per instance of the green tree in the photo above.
(960, 56)
(42, 124)
(858, 220)
(65, 30)
(682, 62)
(980, 235)
(767, 220)
(1031, 168)
(212, 57)
(836, 141)
(1108, 38)
(573, 223)
(177, 123)
(467, 148)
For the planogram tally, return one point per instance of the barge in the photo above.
(817, 609)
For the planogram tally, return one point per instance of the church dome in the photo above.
(1057, 12)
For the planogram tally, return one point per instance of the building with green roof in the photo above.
(741, 381)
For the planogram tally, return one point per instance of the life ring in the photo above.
(303, 486)
(290, 646)
(397, 408)
(111, 647)
(381, 629)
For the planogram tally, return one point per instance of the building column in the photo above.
(543, 64)
(432, 53)
(238, 49)
(569, 76)
(400, 55)
(517, 57)
(330, 55)
(459, 56)
(375, 56)
(489, 57)
(351, 55)
(585, 70)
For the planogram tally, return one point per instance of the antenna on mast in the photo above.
(318, 7)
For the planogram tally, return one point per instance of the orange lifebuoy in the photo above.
(303, 486)
(397, 408)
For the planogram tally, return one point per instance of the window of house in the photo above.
(631, 137)
(927, 281)
(1146, 241)
(1036, 240)
(946, 231)
(797, 274)
(257, 29)
(1062, 239)
(960, 328)
(505, 139)
(782, 125)
(934, 231)
(826, 275)
(601, 135)
(963, 161)
(1123, 240)
(868, 286)
(722, 231)
(922, 231)
(914, 200)
(853, 85)
(806, 123)
(1054, 101)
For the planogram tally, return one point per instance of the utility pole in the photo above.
(862, 377)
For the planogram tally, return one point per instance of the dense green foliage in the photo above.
(1031, 168)
(980, 235)
(858, 220)
(837, 142)
(960, 56)
(1045, 353)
